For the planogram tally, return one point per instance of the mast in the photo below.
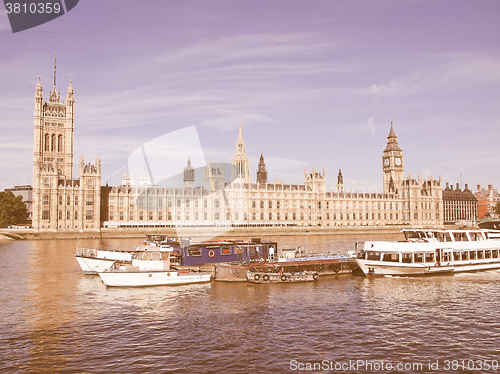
(54, 71)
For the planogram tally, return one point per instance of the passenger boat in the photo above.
(149, 268)
(281, 277)
(432, 252)
(93, 261)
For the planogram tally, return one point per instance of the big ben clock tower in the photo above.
(392, 163)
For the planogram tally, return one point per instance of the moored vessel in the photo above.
(93, 261)
(149, 268)
(282, 277)
(426, 252)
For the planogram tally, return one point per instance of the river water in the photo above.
(53, 319)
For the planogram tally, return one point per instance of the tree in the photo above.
(12, 209)
(496, 209)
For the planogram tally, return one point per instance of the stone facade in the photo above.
(59, 201)
(459, 205)
(412, 202)
(63, 203)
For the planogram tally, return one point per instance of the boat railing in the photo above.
(87, 252)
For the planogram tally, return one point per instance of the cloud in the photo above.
(402, 86)
(243, 48)
(444, 72)
(231, 121)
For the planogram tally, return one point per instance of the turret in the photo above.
(189, 175)
(261, 172)
(340, 182)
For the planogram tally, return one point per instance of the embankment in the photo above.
(200, 233)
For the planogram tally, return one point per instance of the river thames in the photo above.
(56, 320)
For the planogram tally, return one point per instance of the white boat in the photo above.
(432, 252)
(149, 268)
(93, 261)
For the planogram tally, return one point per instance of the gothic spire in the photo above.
(240, 133)
(392, 133)
(392, 141)
(54, 95)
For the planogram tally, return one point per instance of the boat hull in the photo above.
(237, 272)
(261, 277)
(117, 278)
(374, 268)
(94, 265)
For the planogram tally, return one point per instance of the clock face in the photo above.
(386, 161)
(398, 161)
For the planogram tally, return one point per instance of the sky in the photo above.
(313, 83)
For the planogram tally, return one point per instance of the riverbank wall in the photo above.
(199, 233)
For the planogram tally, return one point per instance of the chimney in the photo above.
(490, 189)
(478, 187)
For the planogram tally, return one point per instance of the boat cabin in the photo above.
(227, 251)
(436, 247)
(444, 235)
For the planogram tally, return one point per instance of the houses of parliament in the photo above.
(61, 202)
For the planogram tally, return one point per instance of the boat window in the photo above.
(194, 251)
(446, 256)
(225, 251)
(460, 236)
(456, 256)
(473, 236)
(440, 236)
(480, 255)
(487, 254)
(465, 256)
(238, 250)
(373, 256)
(472, 255)
(419, 257)
(446, 237)
(429, 257)
(392, 257)
(414, 234)
(406, 258)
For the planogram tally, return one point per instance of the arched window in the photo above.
(47, 142)
(59, 143)
(53, 145)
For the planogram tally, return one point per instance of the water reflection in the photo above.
(56, 319)
(51, 301)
